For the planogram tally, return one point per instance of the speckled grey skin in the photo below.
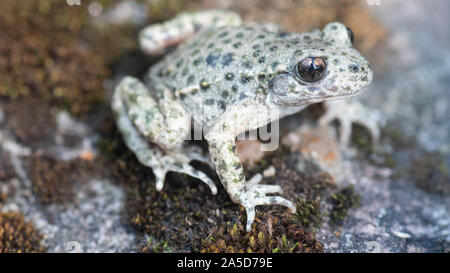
(229, 78)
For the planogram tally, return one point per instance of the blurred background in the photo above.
(68, 184)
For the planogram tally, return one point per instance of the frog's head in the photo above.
(327, 67)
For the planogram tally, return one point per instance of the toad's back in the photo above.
(222, 66)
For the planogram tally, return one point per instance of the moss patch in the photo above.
(56, 54)
(53, 53)
(179, 214)
(55, 181)
(342, 201)
(273, 233)
(32, 124)
(307, 189)
(6, 168)
(151, 245)
(308, 213)
(17, 235)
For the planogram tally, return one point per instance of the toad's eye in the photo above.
(312, 69)
(350, 34)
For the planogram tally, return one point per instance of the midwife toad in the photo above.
(229, 77)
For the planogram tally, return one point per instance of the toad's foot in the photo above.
(352, 112)
(163, 162)
(177, 161)
(256, 194)
(196, 153)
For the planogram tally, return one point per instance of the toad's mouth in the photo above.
(274, 99)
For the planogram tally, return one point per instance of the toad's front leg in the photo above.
(229, 168)
(348, 112)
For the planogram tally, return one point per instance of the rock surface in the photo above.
(394, 215)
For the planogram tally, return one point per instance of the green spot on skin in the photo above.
(197, 61)
(204, 85)
(180, 63)
(185, 71)
(190, 80)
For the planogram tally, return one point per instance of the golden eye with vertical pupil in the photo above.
(312, 69)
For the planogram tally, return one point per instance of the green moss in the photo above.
(57, 55)
(42, 57)
(177, 215)
(153, 246)
(17, 235)
(274, 233)
(342, 201)
(309, 213)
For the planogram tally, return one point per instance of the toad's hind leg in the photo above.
(141, 119)
(155, 38)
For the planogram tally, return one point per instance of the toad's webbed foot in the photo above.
(256, 195)
(348, 112)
